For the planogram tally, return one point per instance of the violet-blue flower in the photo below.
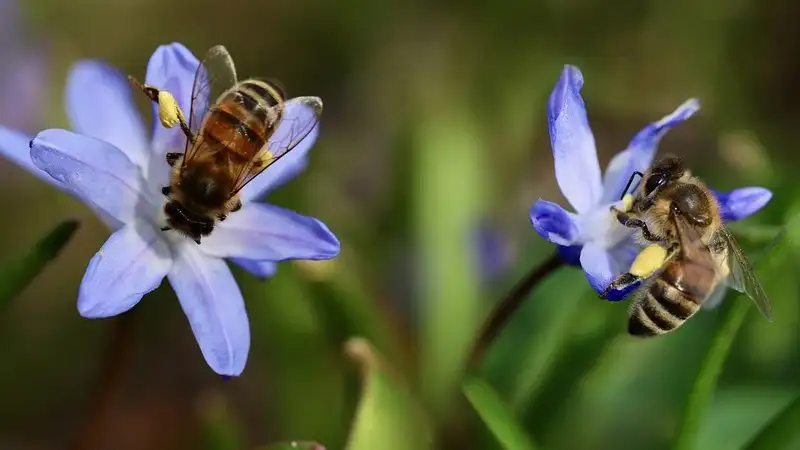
(590, 236)
(110, 163)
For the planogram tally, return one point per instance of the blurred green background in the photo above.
(434, 125)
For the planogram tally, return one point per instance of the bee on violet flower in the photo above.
(111, 164)
(591, 236)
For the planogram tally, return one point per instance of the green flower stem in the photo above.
(509, 304)
(706, 382)
(780, 432)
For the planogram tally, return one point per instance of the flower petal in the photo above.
(213, 303)
(266, 232)
(15, 147)
(742, 203)
(261, 269)
(602, 265)
(641, 150)
(172, 68)
(574, 151)
(554, 223)
(132, 262)
(99, 105)
(94, 170)
(295, 116)
(598, 265)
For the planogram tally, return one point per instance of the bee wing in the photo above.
(741, 275)
(716, 297)
(300, 117)
(698, 258)
(215, 75)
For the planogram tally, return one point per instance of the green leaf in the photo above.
(293, 445)
(782, 432)
(496, 415)
(388, 416)
(20, 272)
(447, 190)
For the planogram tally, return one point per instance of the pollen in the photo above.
(169, 113)
(648, 260)
(627, 202)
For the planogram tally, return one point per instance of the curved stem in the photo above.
(509, 304)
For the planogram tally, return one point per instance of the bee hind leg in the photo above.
(237, 207)
(166, 190)
(221, 217)
(631, 222)
(166, 228)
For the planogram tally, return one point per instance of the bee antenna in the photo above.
(630, 180)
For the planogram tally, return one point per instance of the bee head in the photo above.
(181, 219)
(666, 170)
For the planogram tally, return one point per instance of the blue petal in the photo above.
(577, 169)
(553, 223)
(570, 254)
(213, 303)
(598, 265)
(261, 269)
(493, 251)
(172, 68)
(99, 105)
(266, 232)
(641, 150)
(15, 147)
(742, 203)
(603, 265)
(297, 115)
(95, 171)
(132, 262)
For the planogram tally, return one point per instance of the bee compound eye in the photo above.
(654, 182)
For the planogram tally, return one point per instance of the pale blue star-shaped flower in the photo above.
(110, 164)
(591, 236)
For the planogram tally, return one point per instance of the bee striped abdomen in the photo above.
(663, 308)
(243, 119)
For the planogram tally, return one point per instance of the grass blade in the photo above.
(706, 382)
(496, 415)
(781, 431)
(19, 273)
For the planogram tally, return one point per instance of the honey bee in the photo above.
(689, 259)
(236, 130)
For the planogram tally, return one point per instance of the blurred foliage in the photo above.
(434, 123)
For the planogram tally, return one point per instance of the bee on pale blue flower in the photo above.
(591, 236)
(111, 163)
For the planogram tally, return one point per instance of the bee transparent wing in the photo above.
(741, 275)
(215, 74)
(698, 261)
(716, 297)
(300, 117)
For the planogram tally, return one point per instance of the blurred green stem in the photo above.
(509, 304)
(780, 432)
(706, 382)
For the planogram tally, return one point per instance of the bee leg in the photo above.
(636, 223)
(197, 241)
(237, 207)
(222, 217)
(166, 228)
(620, 283)
(172, 158)
(166, 190)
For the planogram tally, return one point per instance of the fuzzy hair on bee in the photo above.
(688, 254)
